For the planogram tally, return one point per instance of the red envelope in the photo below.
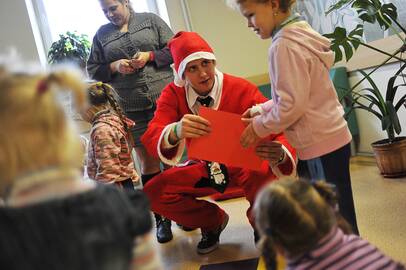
(223, 143)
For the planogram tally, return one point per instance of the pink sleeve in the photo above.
(290, 91)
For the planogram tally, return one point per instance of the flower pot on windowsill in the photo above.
(391, 156)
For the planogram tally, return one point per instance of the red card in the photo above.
(223, 143)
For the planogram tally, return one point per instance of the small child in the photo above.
(294, 219)
(304, 102)
(109, 155)
(51, 218)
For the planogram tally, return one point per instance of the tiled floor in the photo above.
(380, 206)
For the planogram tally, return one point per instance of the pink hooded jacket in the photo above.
(304, 102)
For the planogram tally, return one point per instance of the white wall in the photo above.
(238, 50)
(16, 31)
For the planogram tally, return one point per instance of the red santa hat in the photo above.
(186, 47)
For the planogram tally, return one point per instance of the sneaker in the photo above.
(163, 230)
(210, 240)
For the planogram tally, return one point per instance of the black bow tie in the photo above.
(205, 101)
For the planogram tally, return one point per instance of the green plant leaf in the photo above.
(69, 46)
(340, 4)
(341, 42)
(391, 88)
(402, 101)
(394, 119)
(386, 122)
(374, 89)
(373, 11)
(360, 106)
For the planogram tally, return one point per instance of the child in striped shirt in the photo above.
(297, 220)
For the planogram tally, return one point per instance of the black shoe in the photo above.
(163, 230)
(256, 237)
(184, 228)
(210, 240)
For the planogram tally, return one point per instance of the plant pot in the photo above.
(391, 157)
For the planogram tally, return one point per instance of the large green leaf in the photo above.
(373, 11)
(341, 42)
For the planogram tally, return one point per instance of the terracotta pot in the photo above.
(391, 157)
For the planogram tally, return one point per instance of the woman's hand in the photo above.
(122, 66)
(190, 126)
(249, 137)
(140, 59)
(271, 151)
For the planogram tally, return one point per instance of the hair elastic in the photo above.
(42, 86)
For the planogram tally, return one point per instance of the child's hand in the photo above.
(246, 114)
(250, 113)
(246, 117)
(249, 137)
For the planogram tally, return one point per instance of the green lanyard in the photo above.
(291, 19)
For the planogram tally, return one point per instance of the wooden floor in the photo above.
(381, 211)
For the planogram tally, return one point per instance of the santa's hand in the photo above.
(249, 137)
(271, 151)
(192, 126)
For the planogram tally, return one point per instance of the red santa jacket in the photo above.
(237, 96)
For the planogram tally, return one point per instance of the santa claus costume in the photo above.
(173, 193)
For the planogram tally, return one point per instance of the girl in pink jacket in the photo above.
(304, 102)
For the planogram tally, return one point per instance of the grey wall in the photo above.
(16, 31)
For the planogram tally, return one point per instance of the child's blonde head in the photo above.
(284, 5)
(293, 215)
(35, 132)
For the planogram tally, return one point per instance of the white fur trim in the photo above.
(277, 172)
(180, 147)
(182, 66)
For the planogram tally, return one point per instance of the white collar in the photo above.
(215, 94)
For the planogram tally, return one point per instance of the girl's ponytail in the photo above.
(268, 252)
(328, 193)
(64, 80)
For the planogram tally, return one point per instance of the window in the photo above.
(84, 16)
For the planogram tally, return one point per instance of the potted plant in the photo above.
(390, 153)
(71, 47)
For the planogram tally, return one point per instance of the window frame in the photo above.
(41, 20)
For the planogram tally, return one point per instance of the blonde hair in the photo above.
(293, 215)
(35, 131)
(284, 5)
